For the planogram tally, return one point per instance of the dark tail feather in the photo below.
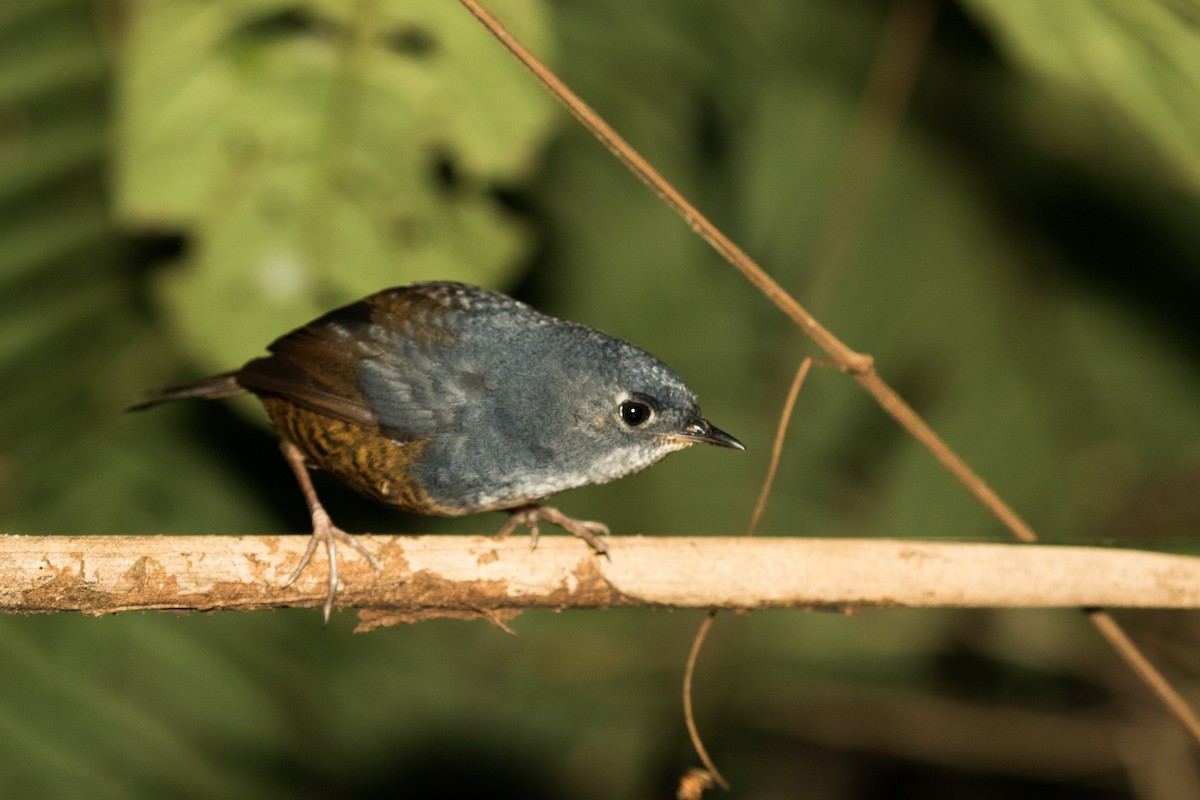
(213, 388)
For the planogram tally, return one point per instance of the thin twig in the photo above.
(860, 365)
(777, 449)
(903, 413)
(688, 714)
(1134, 657)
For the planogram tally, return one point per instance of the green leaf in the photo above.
(315, 152)
(1141, 59)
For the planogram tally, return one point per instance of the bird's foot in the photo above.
(531, 515)
(323, 528)
(324, 531)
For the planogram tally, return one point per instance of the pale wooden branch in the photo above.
(473, 576)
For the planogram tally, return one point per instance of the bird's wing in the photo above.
(386, 363)
(313, 367)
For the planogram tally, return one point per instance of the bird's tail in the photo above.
(213, 388)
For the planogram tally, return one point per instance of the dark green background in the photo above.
(182, 181)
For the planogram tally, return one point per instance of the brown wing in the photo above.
(396, 341)
(317, 366)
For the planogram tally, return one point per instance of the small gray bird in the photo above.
(448, 399)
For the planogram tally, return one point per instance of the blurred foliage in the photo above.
(182, 181)
(326, 142)
(1137, 58)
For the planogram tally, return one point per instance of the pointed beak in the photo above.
(701, 430)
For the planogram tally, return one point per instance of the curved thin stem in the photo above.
(688, 713)
(777, 449)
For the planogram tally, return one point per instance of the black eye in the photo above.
(634, 413)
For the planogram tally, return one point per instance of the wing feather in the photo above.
(385, 363)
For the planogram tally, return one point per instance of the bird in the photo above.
(443, 398)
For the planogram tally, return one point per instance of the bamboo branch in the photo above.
(474, 576)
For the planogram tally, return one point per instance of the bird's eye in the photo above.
(634, 413)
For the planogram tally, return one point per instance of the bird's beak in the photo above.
(701, 430)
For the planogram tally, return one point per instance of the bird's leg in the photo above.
(531, 514)
(323, 528)
(525, 515)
